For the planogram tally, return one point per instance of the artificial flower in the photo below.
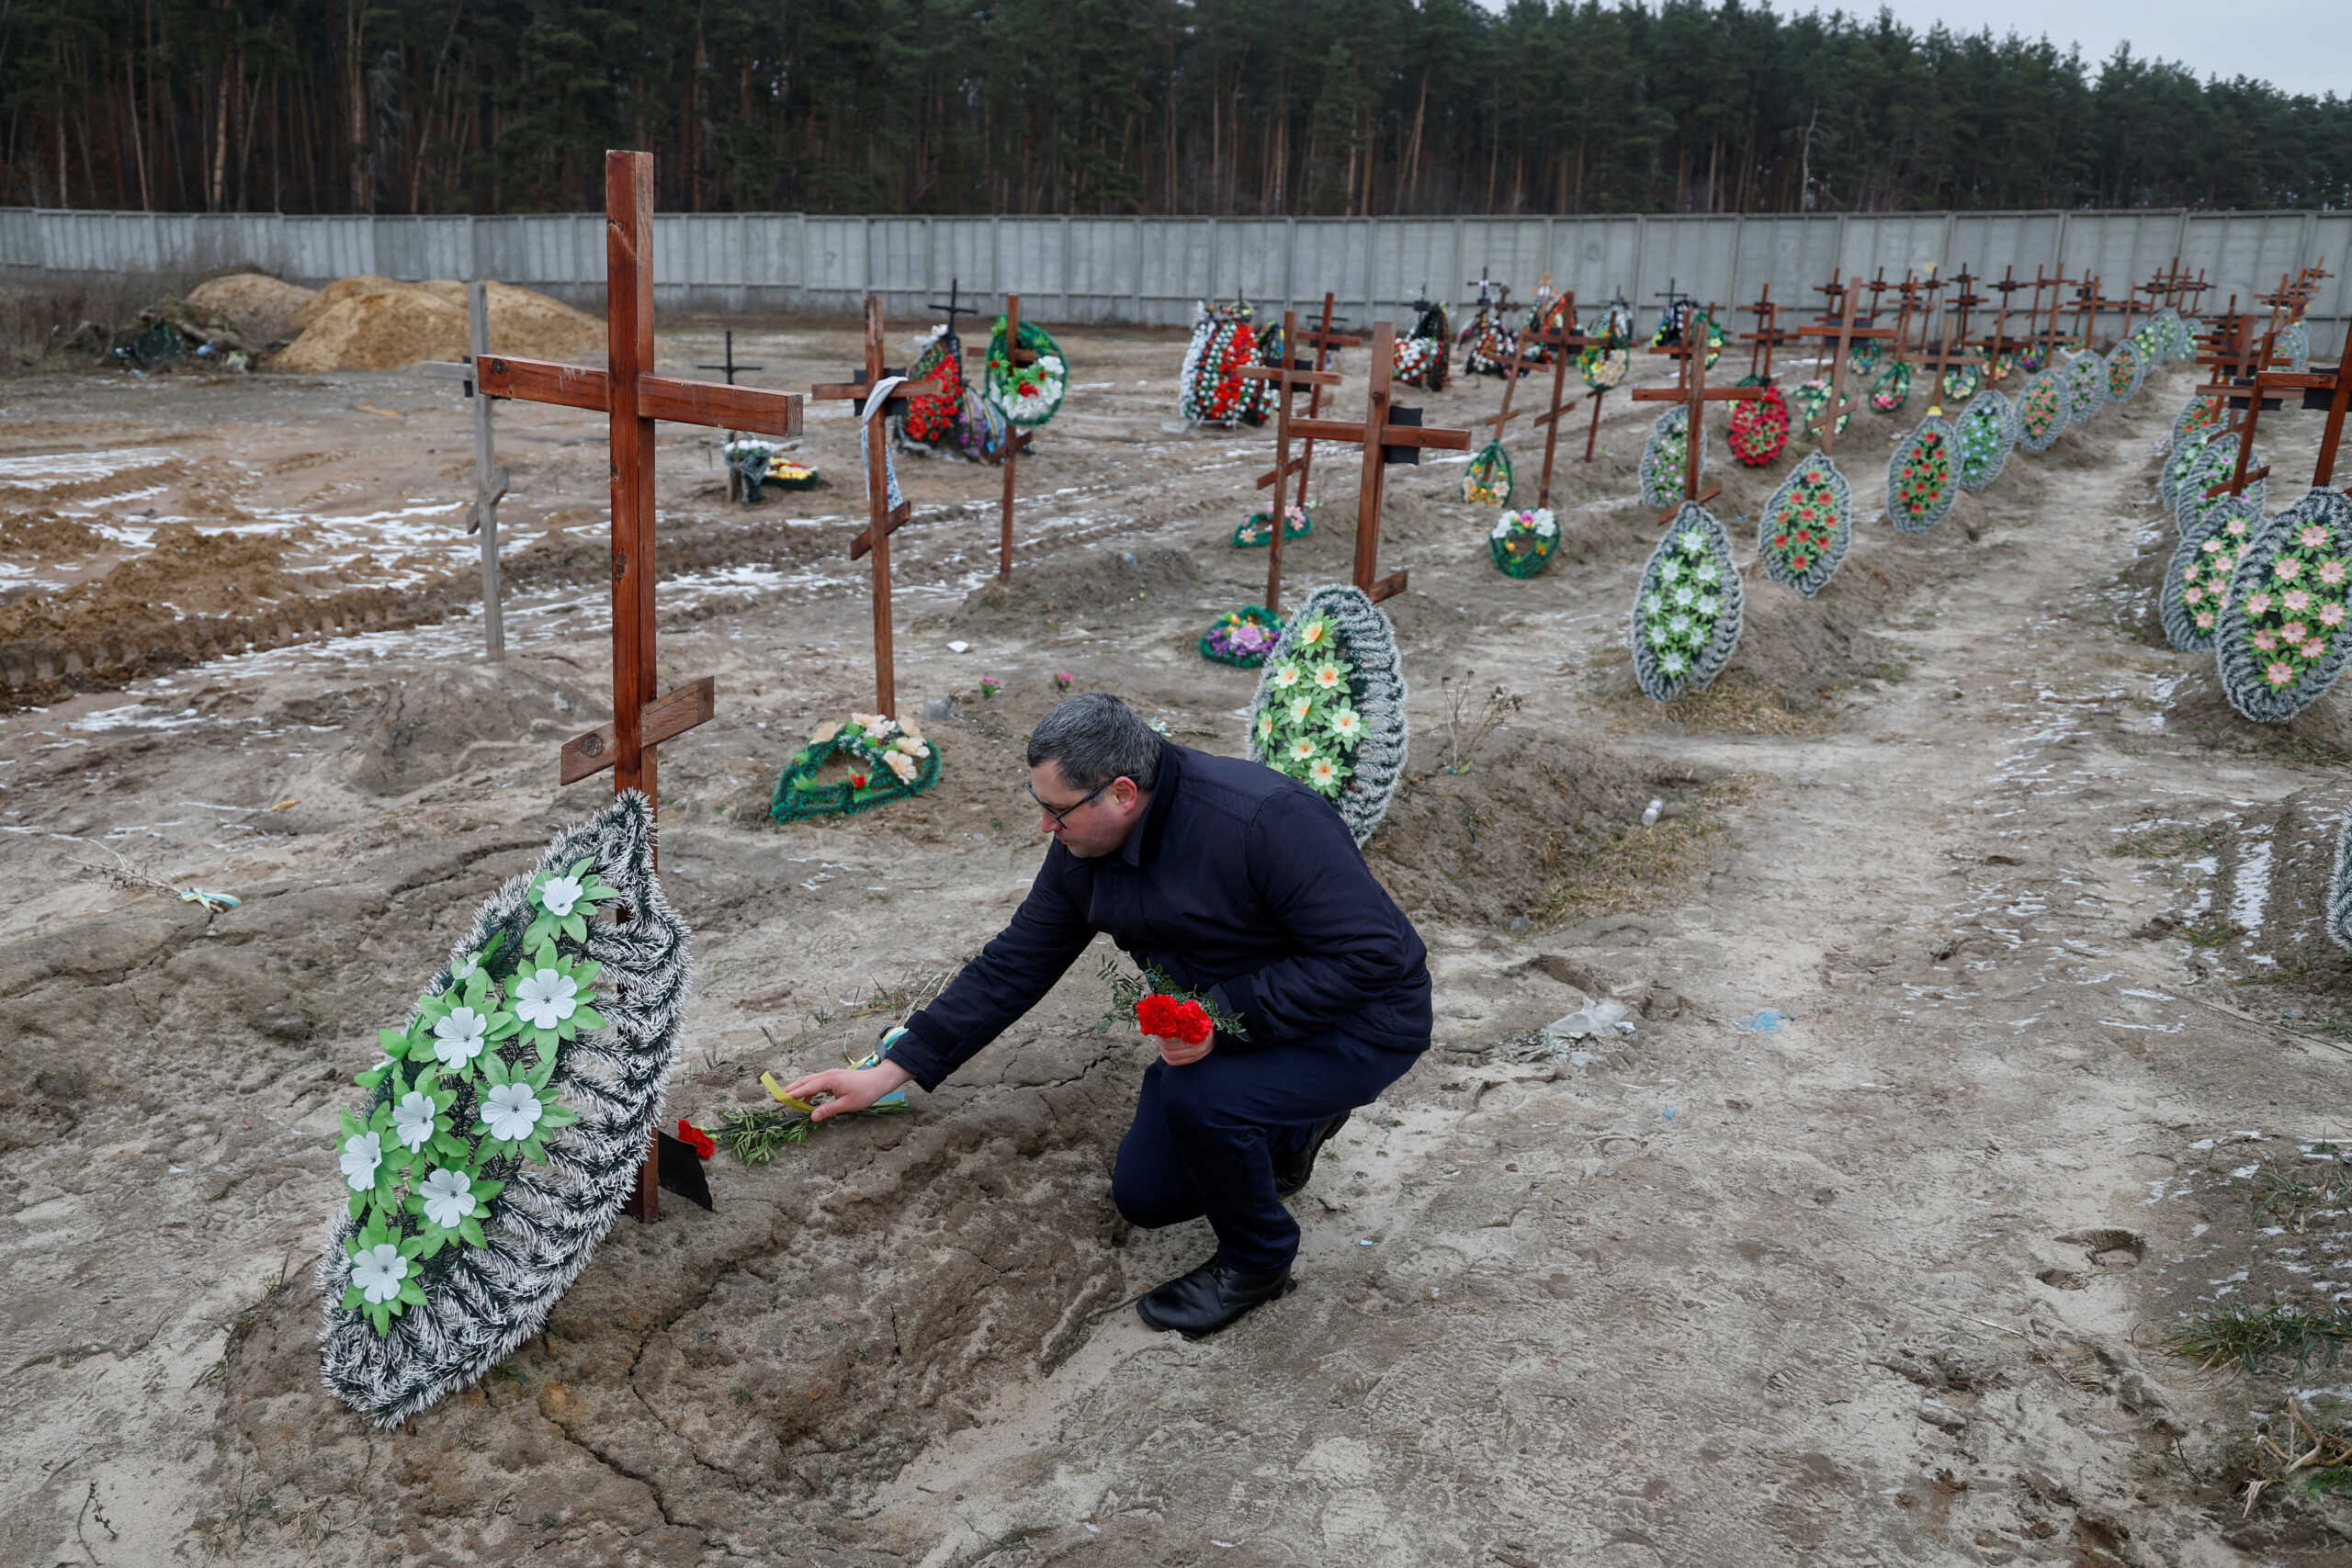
(557, 895)
(511, 1111)
(363, 1155)
(2278, 673)
(1285, 676)
(825, 732)
(1324, 775)
(1299, 708)
(1302, 749)
(412, 1120)
(912, 747)
(448, 1197)
(1346, 724)
(377, 1272)
(1330, 677)
(458, 1036)
(545, 997)
(903, 766)
(695, 1139)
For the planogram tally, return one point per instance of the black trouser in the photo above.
(1205, 1138)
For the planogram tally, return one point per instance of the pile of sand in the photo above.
(374, 323)
(262, 309)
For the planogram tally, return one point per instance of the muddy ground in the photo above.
(1888, 1285)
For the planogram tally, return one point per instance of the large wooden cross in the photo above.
(1326, 343)
(1563, 341)
(1016, 440)
(1837, 333)
(882, 519)
(1287, 378)
(1943, 360)
(1997, 344)
(632, 397)
(1768, 335)
(2039, 330)
(1693, 393)
(1389, 435)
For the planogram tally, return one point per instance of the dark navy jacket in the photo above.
(1237, 882)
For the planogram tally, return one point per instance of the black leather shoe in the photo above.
(1209, 1298)
(1292, 1174)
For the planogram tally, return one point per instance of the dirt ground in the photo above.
(1887, 1285)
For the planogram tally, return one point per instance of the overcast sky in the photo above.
(2301, 46)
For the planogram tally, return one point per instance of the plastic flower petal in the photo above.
(363, 1154)
(457, 1038)
(412, 1120)
(448, 1198)
(377, 1272)
(545, 997)
(559, 895)
(511, 1111)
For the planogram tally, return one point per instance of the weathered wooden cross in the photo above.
(1943, 360)
(1286, 378)
(1997, 344)
(1837, 333)
(632, 397)
(1693, 393)
(1768, 335)
(882, 519)
(1563, 341)
(1016, 440)
(490, 481)
(1325, 342)
(1389, 435)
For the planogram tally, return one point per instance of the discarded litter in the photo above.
(1588, 1020)
(1667, 1114)
(939, 708)
(959, 648)
(1651, 812)
(1766, 1022)
(213, 902)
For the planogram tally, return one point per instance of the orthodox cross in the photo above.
(955, 306)
(1015, 441)
(1943, 361)
(727, 360)
(1389, 435)
(1287, 378)
(490, 480)
(2037, 330)
(1326, 343)
(1837, 333)
(1909, 289)
(1563, 341)
(882, 519)
(1965, 302)
(2087, 305)
(2228, 343)
(2249, 394)
(1520, 363)
(632, 397)
(1694, 395)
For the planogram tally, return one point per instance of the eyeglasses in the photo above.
(1062, 815)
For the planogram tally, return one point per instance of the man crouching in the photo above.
(1233, 881)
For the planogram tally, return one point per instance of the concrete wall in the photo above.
(1152, 269)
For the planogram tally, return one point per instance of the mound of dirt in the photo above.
(1523, 831)
(411, 734)
(1085, 589)
(2199, 710)
(2274, 875)
(44, 535)
(374, 323)
(264, 310)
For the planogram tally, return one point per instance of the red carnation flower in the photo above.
(1156, 1015)
(1192, 1022)
(695, 1138)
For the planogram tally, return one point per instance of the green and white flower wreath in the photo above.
(2197, 579)
(1687, 617)
(2084, 381)
(1330, 710)
(2283, 637)
(1806, 525)
(506, 1123)
(1663, 454)
(2192, 508)
(1922, 478)
(1987, 430)
(1521, 543)
(2188, 457)
(2041, 412)
(2294, 346)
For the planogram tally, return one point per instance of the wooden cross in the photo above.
(1287, 378)
(2228, 344)
(2248, 395)
(1694, 395)
(1015, 441)
(882, 519)
(1838, 336)
(632, 397)
(2037, 330)
(2087, 305)
(1997, 344)
(1943, 360)
(490, 481)
(1767, 336)
(1520, 363)
(1563, 343)
(1389, 435)
(1326, 343)
(727, 360)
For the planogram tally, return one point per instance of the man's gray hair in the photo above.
(1095, 738)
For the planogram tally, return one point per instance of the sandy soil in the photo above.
(1886, 1286)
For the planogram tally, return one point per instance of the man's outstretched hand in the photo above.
(852, 1088)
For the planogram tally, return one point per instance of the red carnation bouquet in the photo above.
(1163, 1010)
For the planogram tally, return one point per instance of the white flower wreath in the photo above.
(463, 1227)
(1330, 706)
